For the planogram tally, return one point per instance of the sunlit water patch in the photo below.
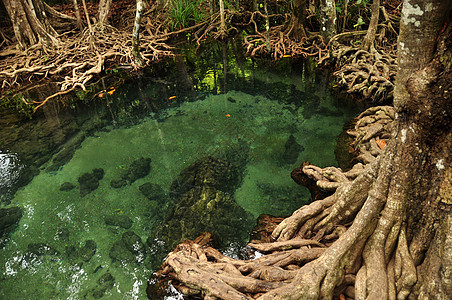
(97, 241)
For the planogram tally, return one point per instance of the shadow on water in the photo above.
(95, 192)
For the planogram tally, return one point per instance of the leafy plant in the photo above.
(185, 12)
(18, 103)
(359, 22)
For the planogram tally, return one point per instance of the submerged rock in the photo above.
(67, 186)
(98, 173)
(209, 171)
(90, 181)
(204, 208)
(138, 169)
(105, 283)
(203, 202)
(9, 219)
(84, 253)
(291, 150)
(153, 192)
(119, 220)
(40, 249)
(129, 249)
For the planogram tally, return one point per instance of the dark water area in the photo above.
(94, 193)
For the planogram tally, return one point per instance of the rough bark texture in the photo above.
(296, 29)
(372, 30)
(104, 11)
(28, 28)
(77, 15)
(388, 232)
(328, 18)
(136, 34)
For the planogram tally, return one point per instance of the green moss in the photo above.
(18, 103)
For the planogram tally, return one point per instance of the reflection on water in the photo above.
(107, 189)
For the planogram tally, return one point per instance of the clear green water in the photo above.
(210, 115)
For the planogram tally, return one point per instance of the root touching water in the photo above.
(329, 248)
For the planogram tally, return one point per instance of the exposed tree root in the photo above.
(317, 251)
(368, 74)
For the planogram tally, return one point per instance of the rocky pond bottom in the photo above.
(100, 225)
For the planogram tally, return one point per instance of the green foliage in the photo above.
(359, 22)
(18, 103)
(358, 13)
(186, 12)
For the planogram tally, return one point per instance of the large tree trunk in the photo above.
(104, 11)
(399, 243)
(296, 30)
(407, 178)
(30, 23)
(373, 25)
(138, 59)
(222, 28)
(328, 18)
(77, 15)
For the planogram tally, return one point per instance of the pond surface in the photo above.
(100, 184)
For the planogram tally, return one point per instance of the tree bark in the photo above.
(138, 59)
(299, 17)
(104, 11)
(328, 18)
(77, 15)
(222, 21)
(373, 25)
(399, 244)
(28, 28)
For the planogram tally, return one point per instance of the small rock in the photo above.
(118, 183)
(90, 181)
(152, 191)
(291, 150)
(129, 249)
(67, 186)
(98, 173)
(119, 220)
(40, 249)
(105, 282)
(9, 218)
(138, 169)
(84, 253)
(88, 251)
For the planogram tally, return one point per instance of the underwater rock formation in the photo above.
(291, 150)
(40, 249)
(9, 219)
(153, 191)
(119, 220)
(105, 283)
(66, 186)
(129, 249)
(90, 181)
(204, 203)
(138, 169)
(84, 253)
(209, 171)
